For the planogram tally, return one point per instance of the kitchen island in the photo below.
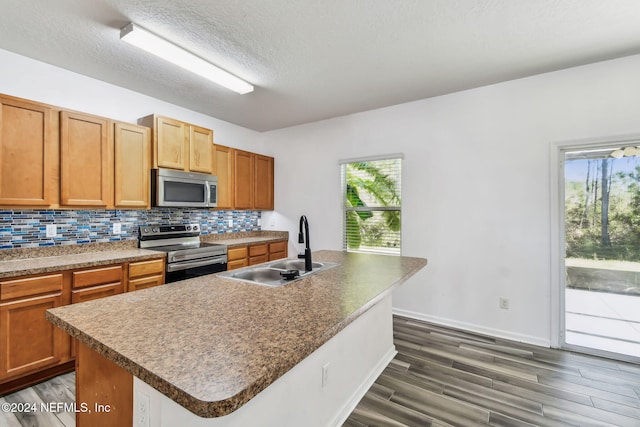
(219, 352)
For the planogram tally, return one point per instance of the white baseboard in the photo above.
(355, 398)
(497, 333)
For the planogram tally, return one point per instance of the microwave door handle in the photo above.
(207, 197)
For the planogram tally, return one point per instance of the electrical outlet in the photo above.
(231, 223)
(52, 230)
(117, 228)
(504, 303)
(142, 413)
(325, 375)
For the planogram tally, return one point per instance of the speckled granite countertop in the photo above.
(211, 343)
(20, 262)
(60, 260)
(246, 238)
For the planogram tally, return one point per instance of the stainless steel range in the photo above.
(187, 256)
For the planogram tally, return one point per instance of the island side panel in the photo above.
(354, 357)
(104, 391)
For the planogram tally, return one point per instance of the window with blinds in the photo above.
(372, 204)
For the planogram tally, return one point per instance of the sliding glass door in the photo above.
(601, 260)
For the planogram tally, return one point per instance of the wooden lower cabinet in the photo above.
(237, 257)
(145, 274)
(278, 250)
(28, 342)
(258, 254)
(96, 283)
(242, 256)
(31, 348)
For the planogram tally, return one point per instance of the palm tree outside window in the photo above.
(372, 204)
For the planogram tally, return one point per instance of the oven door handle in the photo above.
(177, 266)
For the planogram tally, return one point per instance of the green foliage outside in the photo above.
(609, 230)
(372, 184)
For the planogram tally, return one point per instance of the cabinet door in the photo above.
(86, 163)
(171, 143)
(145, 282)
(200, 150)
(28, 153)
(263, 190)
(28, 341)
(243, 179)
(224, 170)
(96, 292)
(132, 165)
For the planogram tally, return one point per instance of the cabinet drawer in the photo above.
(238, 253)
(96, 276)
(145, 282)
(146, 268)
(38, 285)
(258, 259)
(239, 263)
(96, 292)
(277, 246)
(258, 250)
(276, 255)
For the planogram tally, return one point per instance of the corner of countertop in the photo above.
(246, 237)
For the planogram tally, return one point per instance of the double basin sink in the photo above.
(278, 273)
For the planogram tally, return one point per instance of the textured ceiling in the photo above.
(317, 59)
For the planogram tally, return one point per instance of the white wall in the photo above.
(475, 187)
(26, 78)
(475, 177)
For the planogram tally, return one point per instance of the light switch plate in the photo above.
(117, 228)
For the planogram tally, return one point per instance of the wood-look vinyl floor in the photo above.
(448, 377)
(60, 390)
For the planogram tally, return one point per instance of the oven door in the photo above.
(194, 268)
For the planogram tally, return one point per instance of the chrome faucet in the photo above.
(302, 238)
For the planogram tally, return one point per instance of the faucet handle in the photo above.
(301, 255)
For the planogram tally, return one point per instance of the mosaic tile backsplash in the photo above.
(27, 228)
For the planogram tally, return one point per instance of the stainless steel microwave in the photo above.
(175, 188)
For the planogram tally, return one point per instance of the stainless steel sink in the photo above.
(295, 264)
(269, 275)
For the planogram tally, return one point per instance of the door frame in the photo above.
(557, 230)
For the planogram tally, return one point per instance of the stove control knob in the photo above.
(145, 230)
(188, 228)
(155, 229)
(195, 228)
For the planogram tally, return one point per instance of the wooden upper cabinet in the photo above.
(180, 145)
(200, 149)
(86, 162)
(171, 143)
(263, 183)
(28, 153)
(243, 179)
(224, 170)
(132, 165)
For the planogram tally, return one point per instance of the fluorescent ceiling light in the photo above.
(145, 40)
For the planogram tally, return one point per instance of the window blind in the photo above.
(372, 201)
